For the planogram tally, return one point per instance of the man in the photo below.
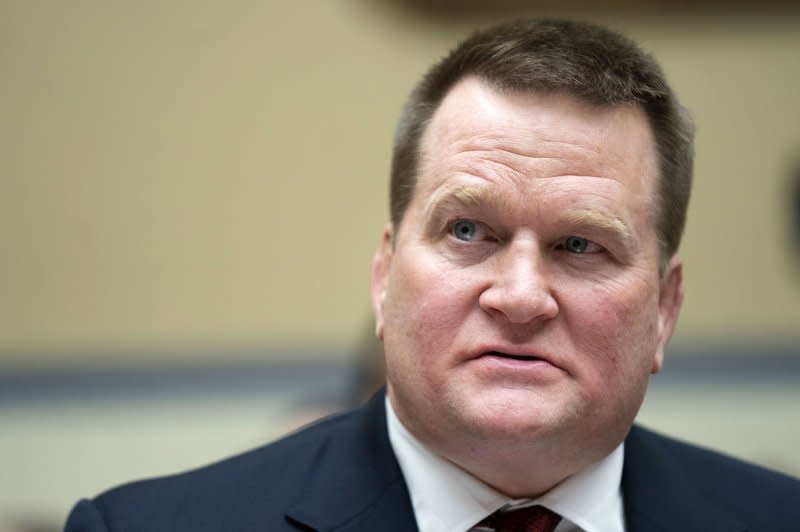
(524, 291)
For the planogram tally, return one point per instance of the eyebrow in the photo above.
(458, 196)
(601, 221)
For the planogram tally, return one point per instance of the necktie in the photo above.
(527, 519)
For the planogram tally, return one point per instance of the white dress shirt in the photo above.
(448, 499)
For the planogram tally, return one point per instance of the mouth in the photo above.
(518, 365)
(522, 358)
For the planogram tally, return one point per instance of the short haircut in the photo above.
(589, 62)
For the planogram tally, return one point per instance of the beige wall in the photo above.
(185, 177)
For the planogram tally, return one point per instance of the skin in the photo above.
(520, 302)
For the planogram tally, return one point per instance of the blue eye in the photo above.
(576, 244)
(465, 230)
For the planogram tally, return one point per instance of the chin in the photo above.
(515, 416)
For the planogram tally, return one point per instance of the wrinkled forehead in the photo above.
(474, 106)
(528, 127)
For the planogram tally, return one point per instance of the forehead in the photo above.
(509, 137)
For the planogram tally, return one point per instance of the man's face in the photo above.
(520, 303)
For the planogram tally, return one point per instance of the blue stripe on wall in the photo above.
(334, 379)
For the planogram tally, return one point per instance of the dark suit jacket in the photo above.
(341, 474)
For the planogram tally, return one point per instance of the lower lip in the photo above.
(522, 366)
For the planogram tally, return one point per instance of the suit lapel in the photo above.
(355, 482)
(658, 497)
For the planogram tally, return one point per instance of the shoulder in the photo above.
(753, 493)
(246, 489)
(704, 463)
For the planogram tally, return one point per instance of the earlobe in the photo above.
(381, 263)
(670, 300)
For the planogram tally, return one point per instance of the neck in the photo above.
(517, 471)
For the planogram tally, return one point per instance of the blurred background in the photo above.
(191, 192)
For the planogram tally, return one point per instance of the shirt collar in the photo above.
(447, 498)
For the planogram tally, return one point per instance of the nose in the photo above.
(519, 288)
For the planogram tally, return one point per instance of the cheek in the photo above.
(424, 308)
(624, 325)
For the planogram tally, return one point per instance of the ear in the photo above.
(670, 300)
(380, 275)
